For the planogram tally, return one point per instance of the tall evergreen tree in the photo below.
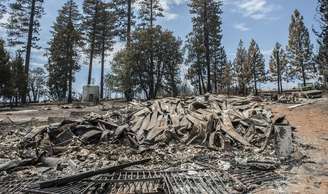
(4, 70)
(219, 63)
(299, 49)
(143, 76)
(196, 61)
(64, 50)
(278, 66)
(207, 23)
(125, 18)
(91, 11)
(243, 70)
(149, 11)
(256, 62)
(37, 83)
(228, 76)
(217, 52)
(2, 8)
(104, 40)
(200, 11)
(173, 59)
(24, 25)
(18, 80)
(322, 57)
(125, 21)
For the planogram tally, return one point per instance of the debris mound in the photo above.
(217, 122)
(216, 143)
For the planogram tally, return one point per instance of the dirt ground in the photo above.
(47, 114)
(311, 122)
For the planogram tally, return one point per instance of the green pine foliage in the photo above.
(278, 66)
(322, 56)
(299, 49)
(63, 52)
(256, 63)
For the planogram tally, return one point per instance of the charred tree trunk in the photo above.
(215, 81)
(278, 72)
(199, 85)
(129, 92)
(93, 39)
(152, 81)
(129, 23)
(303, 74)
(207, 48)
(255, 78)
(102, 69)
(29, 47)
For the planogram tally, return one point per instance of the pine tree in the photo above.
(228, 75)
(207, 23)
(24, 26)
(123, 75)
(200, 11)
(149, 11)
(142, 76)
(299, 49)
(125, 18)
(125, 21)
(196, 61)
(64, 51)
(104, 40)
(37, 83)
(173, 59)
(256, 62)
(4, 70)
(219, 62)
(3, 9)
(91, 11)
(278, 66)
(243, 70)
(217, 52)
(18, 78)
(322, 57)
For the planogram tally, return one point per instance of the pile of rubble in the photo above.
(226, 135)
(214, 121)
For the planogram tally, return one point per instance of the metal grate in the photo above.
(15, 186)
(208, 181)
(251, 177)
(146, 182)
(195, 181)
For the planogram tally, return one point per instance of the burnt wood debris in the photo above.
(202, 144)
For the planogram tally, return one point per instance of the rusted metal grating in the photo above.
(250, 177)
(149, 182)
(111, 185)
(15, 186)
(140, 181)
(245, 176)
(176, 182)
(196, 182)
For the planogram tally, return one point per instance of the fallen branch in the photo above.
(12, 164)
(80, 176)
(303, 104)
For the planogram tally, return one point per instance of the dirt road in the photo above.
(311, 122)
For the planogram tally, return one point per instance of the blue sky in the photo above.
(266, 21)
